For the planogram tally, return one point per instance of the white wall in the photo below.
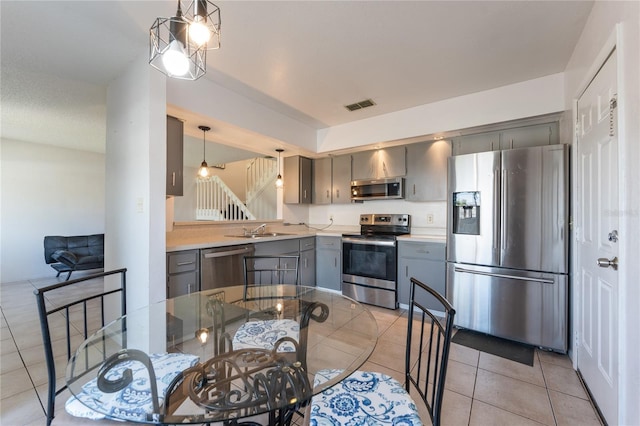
(46, 190)
(521, 100)
(224, 105)
(135, 189)
(600, 26)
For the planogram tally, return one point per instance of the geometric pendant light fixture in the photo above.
(203, 172)
(178, 45)
(279, 182)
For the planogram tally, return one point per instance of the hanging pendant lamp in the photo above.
(178, 45)
(279, 178)
(203, 172)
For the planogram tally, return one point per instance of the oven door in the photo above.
(369, 261)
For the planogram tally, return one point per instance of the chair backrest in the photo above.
(434, 331)
(269, 270)
(74, 305)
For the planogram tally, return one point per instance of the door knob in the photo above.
(603, 262)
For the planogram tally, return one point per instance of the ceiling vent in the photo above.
(359, 105)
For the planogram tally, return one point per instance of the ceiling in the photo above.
(305, 59)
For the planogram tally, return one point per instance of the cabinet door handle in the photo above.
(328, 193)
(186, 263)
(337, 193)
(414, 189)
(173, 179)
(335, 262)
(406, 271)
(306, 263)
(304, 194)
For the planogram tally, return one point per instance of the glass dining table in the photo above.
(222, 356)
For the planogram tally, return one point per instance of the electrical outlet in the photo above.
(330, 218)
(429, 218)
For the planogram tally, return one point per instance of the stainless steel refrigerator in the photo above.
(507, 244)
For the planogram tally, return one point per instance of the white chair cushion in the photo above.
(265, 333)
(134, 401)
(363, 398)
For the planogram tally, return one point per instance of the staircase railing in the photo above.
(261, 193)
(216, 201)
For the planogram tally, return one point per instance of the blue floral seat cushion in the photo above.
(265, 333)
(134, 401)
(363, 398)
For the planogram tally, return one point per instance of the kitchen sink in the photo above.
(253, 236)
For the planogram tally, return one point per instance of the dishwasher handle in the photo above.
(226, 253)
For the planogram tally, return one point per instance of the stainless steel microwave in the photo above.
(377, 189)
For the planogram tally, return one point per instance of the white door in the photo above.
(597, 224)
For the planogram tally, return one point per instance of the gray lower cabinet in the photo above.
(329, 262)
(424, 261)
(183, 278)
(183, 273)
(290, 247)
(307, 274)
(427, 171)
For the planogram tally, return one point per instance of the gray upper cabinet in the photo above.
(518, 137)
(297, 180)
(480, 142)
(525, 137)
(380, 163)
(341, 179)
(322, 181)
(175, 156)
(427, 171)
(332, 180)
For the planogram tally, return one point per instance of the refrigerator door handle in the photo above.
(503, 214)
(497, 211)
(511, 277)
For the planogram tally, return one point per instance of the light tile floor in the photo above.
(481, 389)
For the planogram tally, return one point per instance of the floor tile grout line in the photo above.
(26, 369)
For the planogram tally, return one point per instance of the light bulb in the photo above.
(202, 335)
(204, 170)
(198, 31)
(175, 60)
(279, 181)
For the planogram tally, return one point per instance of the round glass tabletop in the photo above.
(220, 355)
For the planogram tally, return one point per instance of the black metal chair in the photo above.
(382, 394)
(270, 270)
(435, 346)
(270, 323)
(70, 301)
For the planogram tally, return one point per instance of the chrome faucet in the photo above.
(259, 229)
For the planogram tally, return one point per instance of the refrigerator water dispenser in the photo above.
(466, 213)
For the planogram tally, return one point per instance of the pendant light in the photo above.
(178, 45)
(203, 172)
(279, 178)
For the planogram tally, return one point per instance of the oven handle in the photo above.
(369, 242)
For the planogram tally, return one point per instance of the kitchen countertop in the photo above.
(194, 242)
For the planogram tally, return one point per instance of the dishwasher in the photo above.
(223, 266)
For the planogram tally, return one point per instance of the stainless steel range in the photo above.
(369, 259)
